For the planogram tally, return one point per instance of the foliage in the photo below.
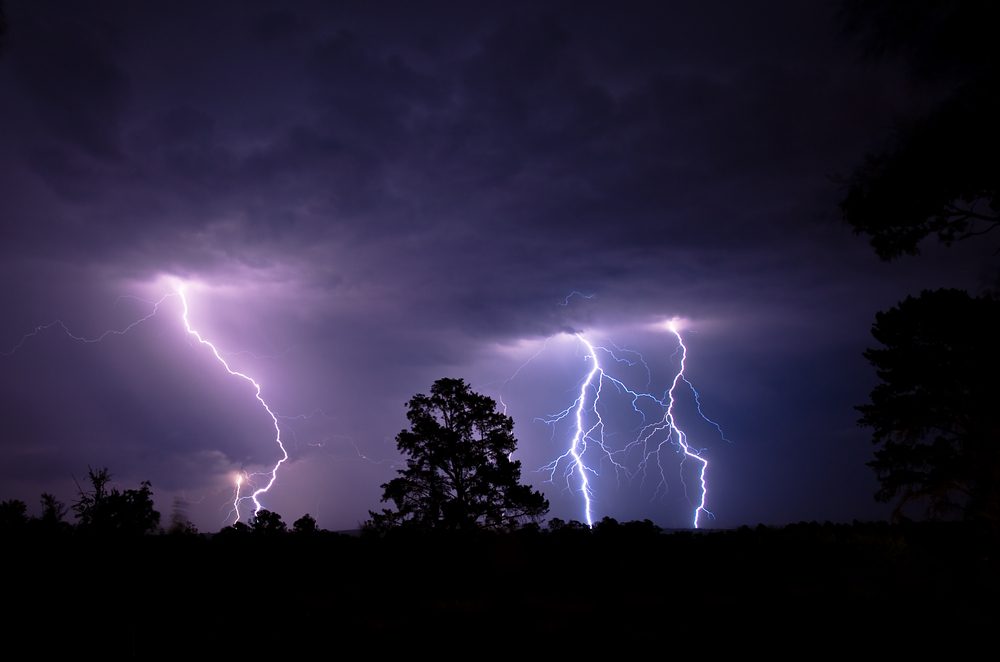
(459, 473)
(13, 515)
(934, 415)
(53, 510)
(266, 522)
(305, 525)
(180, 524)
(940, 177)
(105, 511)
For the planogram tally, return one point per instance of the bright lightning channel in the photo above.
(179, 292)
(581, 407)
(83, 339)
(682, 442)
(678, 436)
(273, 473)
(588, 429)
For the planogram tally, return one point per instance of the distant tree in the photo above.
(234, 530)
(935, 415)
(266, 522)
(556, 525)
(53, 510)
(304, 525)
(180, 524)
(103, 511)
(13, 516)
(459, 473)
(941, 174)
(607, 526)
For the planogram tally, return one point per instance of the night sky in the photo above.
(365, 197)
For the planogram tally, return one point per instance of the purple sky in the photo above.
(370, 196)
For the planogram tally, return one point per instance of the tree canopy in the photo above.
(934, 415)
(102, 510)
(459, 473)
(940, 175)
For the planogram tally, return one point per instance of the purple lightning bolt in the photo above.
(179, 291)
(273, 473)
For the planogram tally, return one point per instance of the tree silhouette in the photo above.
(941, 176)
(180, 523)
(53, 510)
(105, 511)
(266, 522)
(305, 525)
(459, 473)
(934, 414)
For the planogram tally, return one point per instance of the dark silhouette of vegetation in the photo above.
(465, 587)
(104, 511)
(180, 524)
(934, 414)
(459, 473)
(13, 516)
(305, 525)
(267, 523)
(940, 176)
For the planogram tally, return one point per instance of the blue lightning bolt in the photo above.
(677, 436)
(658, 431)
(585, 406)
(682, 442)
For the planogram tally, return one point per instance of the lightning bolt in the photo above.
(583, 407)
(272, 475)
(671, 420)
(179, 291)
(83, 339)
(677, 436)
(658, 430)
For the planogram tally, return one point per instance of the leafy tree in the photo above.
(234, 530)
(305, 525)
(53, 510)
(459, 473)
(53, 518)
(940, 176)
(110, 511)
(266, 522)
(934, 415)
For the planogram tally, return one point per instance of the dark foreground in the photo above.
(626, 589)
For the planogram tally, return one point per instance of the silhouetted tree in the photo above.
(180, 524)
(556, 525)
(941, 175)
(267, 522)
(935, 416)
(459, 474)
(53, 516)
(53, 510)
(13, 516)
(234, 530)
(111, 511)
(305, 525)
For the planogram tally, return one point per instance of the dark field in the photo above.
(626, 586)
